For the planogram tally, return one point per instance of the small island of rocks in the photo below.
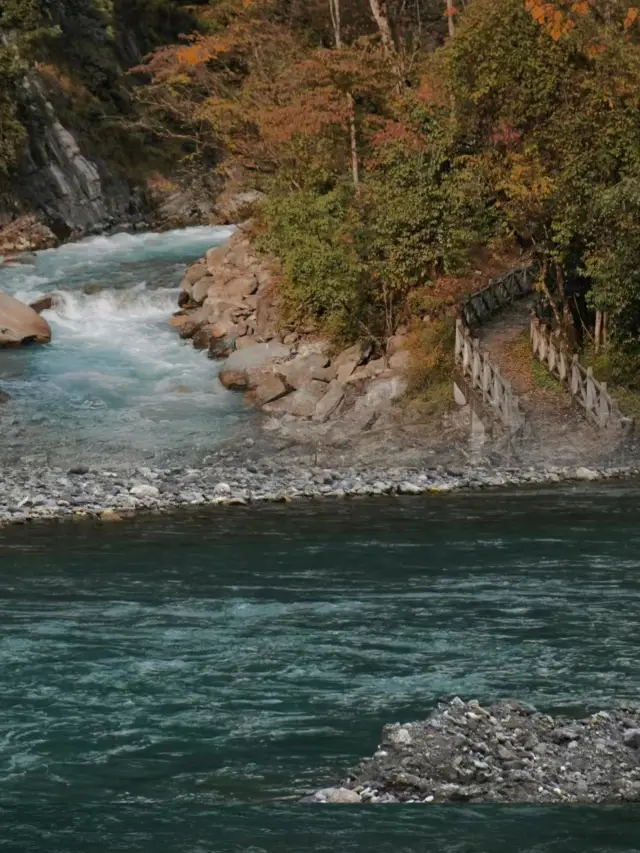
(507, 752)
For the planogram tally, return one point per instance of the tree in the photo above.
(450, 22)
(334, 6)
(381, 17)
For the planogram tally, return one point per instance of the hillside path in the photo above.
(556, 427)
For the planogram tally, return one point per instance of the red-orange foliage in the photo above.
(560, 17)
(260, 87)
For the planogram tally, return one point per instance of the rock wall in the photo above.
(70, 193)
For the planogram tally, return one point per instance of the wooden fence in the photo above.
(501, 291)
(592, 395)
(485, 378)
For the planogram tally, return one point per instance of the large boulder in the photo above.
(384, 391)
(270, 388)
(234, 380)
(302, 369)
(240, 287)
(301, 403)
(194, 322)
(256, 356)
(329, 403)
(200, 289)
(20, 324)
(192, 276)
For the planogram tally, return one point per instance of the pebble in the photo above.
(41, 492)
(144, 491)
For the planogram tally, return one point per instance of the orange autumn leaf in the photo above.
(631, 17)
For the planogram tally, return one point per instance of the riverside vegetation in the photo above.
(397, 153)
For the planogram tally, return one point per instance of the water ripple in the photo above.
(193, 665)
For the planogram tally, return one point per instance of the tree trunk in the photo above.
(355, 171)
(379, 12)
(450, 14)
(598, 331)
(334, 8)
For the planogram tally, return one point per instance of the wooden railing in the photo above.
(501, 291)
(599, 405)
(485, 378)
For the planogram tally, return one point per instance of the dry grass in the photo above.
(528, 376)
(430, 367)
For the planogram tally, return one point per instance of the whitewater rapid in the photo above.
(116, 379)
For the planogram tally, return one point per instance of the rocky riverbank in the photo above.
(80, 492)
(507, 752)
(307, 389)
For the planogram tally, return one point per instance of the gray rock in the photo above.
(631, 738)
(587, 474)
(301, 370)
(269, 388)
(565, 734)
(301, 403)
(256, 356)
(399, 737)
(144, 491)
(407, 488)
(329, 403)
(337, 796)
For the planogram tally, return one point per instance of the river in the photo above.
(116, 381)
(176, 684)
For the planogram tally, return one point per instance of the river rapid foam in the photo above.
(115, 379)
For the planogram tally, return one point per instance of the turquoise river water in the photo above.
(177, 684)
(115, 381)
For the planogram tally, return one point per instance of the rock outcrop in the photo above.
(507, 752)
(230, 306)
(57, 191)
(23, 235)
(20, 324)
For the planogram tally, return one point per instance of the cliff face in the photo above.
(78, 171)
(54, 179)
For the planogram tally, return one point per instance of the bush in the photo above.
(430, 347)
(322, 274)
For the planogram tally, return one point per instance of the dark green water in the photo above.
(174, 684)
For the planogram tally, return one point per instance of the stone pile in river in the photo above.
(507, 752)
(230, 306)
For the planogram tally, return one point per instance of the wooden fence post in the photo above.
(591, 392)
(604, 408)
(562, 366)
(575, 376)
(542, 350)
